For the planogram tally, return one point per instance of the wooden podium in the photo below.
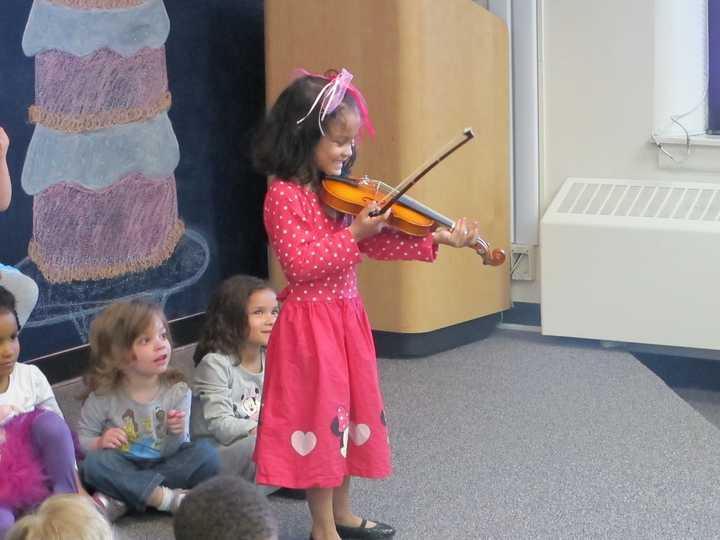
(428, 69)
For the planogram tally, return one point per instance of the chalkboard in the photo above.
(215, 75)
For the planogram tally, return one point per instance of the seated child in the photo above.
(225, 508)
(134, 425)
(37, 453)
(23, 288)
(63, 517)
(230, 367)
(5, 185)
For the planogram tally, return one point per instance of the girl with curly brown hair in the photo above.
(135, 424)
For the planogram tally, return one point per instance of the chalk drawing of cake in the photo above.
(101, 162)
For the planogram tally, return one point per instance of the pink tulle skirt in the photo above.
(23, 483)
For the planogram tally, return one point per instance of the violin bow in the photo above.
(411, 180)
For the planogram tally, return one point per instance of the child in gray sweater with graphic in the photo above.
(230, 367)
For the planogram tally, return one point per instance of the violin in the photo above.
(350, 195)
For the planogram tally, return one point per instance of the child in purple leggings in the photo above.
(37, 454)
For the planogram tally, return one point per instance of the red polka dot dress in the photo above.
(322, 416)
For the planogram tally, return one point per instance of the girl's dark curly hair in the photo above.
(284, 148)
(226, 319)
(225, 507)
(8, 305)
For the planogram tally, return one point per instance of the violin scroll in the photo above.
(496, 257)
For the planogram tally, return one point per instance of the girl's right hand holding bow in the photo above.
(364, 225)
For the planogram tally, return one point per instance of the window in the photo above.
(681, 73)
(713, 67)
(687, 85)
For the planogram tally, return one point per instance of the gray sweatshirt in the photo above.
(226, 398)
(144, 423)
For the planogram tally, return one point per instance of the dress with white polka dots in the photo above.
(318, 254)
(323, 415)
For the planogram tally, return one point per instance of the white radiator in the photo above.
(632, 261)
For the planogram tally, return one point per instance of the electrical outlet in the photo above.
(522, 262)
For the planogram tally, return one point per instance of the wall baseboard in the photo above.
(523, 313)
(399, 345)
(73, 363)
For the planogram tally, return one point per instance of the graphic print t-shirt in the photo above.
(145, 424)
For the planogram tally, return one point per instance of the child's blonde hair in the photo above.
(112, 335)
(63, 517)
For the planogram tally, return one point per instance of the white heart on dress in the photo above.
(303, 443)
(359, 433)
(344, 445)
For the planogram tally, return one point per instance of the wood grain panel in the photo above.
(428, 69)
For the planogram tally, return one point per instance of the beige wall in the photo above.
(596, 98)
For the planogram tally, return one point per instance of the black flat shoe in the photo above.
(289, 493)
(380, 530)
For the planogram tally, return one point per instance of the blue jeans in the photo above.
(132, 481)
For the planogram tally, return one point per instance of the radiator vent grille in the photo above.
(639, 200)
(632, 261)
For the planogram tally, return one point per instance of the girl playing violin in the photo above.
(322, 419)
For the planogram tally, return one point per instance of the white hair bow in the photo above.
(330, 97)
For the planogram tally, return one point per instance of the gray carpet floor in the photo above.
(525, 436)
(696, 380)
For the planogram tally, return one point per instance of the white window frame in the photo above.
(680, 88)
(521, 17)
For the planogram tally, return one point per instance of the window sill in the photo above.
(704, 153)
(695, 140)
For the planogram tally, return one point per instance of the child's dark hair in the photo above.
(112, 334)
(226, 320)
(8, 304)
(225, 508)
(284, 148)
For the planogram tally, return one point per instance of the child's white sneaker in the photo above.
(177, 498)
(171, 499)
(111, 508)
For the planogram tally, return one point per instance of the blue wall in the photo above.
(215, 63)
